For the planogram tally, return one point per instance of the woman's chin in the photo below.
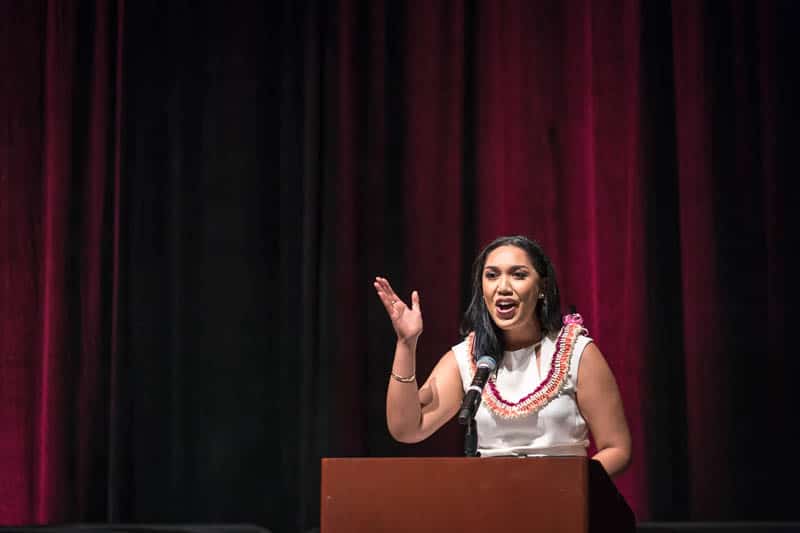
(511, 324)
(504, 324)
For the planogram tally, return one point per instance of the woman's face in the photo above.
(511, 288)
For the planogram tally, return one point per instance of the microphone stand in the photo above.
(471, 439)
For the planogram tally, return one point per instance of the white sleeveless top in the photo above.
(556, 429)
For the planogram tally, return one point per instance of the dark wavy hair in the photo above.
(488, 337)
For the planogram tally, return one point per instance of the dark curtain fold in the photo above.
(59, 182)
(208, 239)
(195, 198)
(732, 200)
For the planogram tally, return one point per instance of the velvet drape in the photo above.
(59, 180)
(195, 198)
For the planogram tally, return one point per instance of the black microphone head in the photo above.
(484, 367)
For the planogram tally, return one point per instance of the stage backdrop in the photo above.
(195, 198)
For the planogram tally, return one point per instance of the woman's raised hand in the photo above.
(407, 321)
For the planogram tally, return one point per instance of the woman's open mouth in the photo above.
(506, 309)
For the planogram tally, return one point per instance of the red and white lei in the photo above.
(552, 385)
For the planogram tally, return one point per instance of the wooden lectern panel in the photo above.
(504, 494)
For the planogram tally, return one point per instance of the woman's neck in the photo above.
(521, 337)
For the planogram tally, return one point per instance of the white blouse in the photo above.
(558, 428)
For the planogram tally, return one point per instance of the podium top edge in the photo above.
(579, 458)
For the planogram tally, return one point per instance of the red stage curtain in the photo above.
(644, 144)
(732, 205)
(58, 184)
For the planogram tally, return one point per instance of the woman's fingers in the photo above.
(387, 288)
(384, 290)
(388, 297)
(385, 298)
(407, 321)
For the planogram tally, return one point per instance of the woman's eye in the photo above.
(491, 275)
(520, 275)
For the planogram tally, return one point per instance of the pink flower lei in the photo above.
(552, 385)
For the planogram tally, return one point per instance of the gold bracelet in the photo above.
(410, 379)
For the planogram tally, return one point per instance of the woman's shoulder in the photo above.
(573, 330)
(461, 353)
(462, 348)
(571, 340)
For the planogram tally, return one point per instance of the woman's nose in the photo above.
(504, 284)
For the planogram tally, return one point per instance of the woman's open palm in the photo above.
(407, 321)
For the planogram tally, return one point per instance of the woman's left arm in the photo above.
(601, 406)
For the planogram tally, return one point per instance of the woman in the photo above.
(551, 387)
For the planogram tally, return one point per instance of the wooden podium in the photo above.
(505, 494)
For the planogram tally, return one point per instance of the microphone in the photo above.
(485, 365)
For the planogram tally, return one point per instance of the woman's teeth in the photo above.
(505, 310)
